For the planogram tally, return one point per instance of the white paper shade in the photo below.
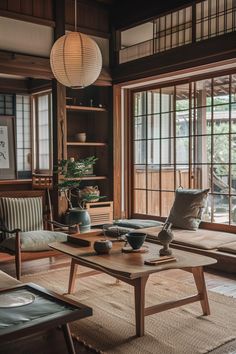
(76, 60)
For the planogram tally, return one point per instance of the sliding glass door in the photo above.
(184, 135)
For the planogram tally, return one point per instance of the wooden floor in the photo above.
(218, 282)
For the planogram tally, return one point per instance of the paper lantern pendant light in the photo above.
(76, 59)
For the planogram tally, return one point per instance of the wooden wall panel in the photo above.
(27, 7)
(3, 4)
(91, 17)
(14, 5)
(37, 8)
(48, 9)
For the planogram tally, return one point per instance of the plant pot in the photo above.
(78, 216)
(81, 137)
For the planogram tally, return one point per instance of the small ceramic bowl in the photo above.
(102, 246)
(136, 239)
(81, 137)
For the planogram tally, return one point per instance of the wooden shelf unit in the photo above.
(76, 143)
(96, 122)
(85, 108)
(87, 178)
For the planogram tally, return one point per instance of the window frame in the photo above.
(130, 140)
(36, 167)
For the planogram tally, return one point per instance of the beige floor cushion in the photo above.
(204, 239)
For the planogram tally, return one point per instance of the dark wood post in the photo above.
(59, 111)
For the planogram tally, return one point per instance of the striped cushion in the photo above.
(22, 213)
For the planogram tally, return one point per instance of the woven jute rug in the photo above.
(111, 329)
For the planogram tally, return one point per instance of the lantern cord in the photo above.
(75, 15)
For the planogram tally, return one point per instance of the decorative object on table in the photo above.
(159, 260)
(91, 192)
(74, 229)
(91, 102)
(113, 230)
(165, 236)
(136, 239)
(76, 59)
(102, 246)
(16, 299)
(80, 137)
(71, 172)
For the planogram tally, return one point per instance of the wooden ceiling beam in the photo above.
(13, 85)
(27, 18)
(25, 65)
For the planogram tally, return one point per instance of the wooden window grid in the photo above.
(202, 20)
(198, 162)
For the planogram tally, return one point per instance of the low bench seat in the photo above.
(203, 239)
(229, 247)
(217, 244)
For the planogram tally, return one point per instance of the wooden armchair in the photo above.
(17, 224)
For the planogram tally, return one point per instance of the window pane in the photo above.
(43, 131)
(153, 126)
(167, 99)
(221, 90)
(23, 133)
(203, 93)
(140, 176)
(221, 119)
(167, 178)
(167, 199)
(153, 203)
(140, 103)
(153, 152)
(182, 123)
(167, 125)
(140, 152)
(140, 201)
(140, 128)
(153, 175)
(182, 150)
(221, 149)
(153, 101)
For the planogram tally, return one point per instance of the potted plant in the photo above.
(71, 172)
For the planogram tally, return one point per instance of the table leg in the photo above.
(201, 287)
(139, 293)
(68, 339)
(72, 277)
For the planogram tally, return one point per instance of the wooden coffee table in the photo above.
(130, 268)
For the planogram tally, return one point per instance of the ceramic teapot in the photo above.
(90, 190)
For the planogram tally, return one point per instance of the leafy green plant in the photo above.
(70, 173)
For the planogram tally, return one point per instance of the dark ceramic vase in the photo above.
(78, 216)
(102, 246)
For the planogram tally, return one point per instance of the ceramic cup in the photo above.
(136, 239)
(81, 137)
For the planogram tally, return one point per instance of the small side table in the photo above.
(48, 310)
